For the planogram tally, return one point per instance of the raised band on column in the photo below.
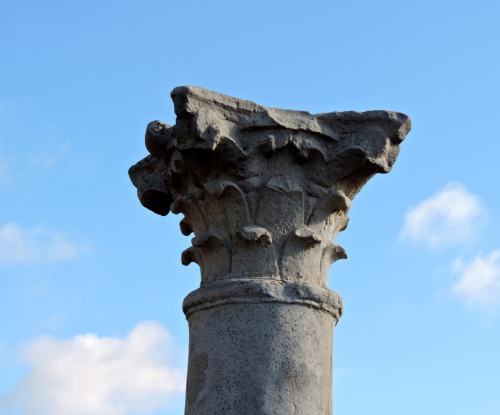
(246, 291)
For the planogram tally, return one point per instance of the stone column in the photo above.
(264, 191)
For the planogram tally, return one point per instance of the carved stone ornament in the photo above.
(264, 191)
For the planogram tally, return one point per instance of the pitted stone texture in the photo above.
(263, 190)
(260, 359)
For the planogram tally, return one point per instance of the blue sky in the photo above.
(91, 283)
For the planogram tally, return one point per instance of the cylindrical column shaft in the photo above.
(266, 351)
(266, 359)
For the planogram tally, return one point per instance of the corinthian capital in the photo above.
(264, 191)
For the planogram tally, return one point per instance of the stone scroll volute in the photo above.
(263, 191)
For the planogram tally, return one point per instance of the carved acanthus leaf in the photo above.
(256, 182)
(310, 237)
(192, 254)
(255, 233)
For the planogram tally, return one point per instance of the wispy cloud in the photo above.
(96, 375)
(43, 161)
(450, 217)
(37, 244)
(5, 106)
(46, 159)
(479, 282)
(4, 170)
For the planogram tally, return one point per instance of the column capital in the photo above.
(265, 191)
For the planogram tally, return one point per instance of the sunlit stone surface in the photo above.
(264, 191)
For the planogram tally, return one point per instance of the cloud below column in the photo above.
(96, 375)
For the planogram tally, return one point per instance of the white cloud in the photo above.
(99, 375)
(36, 244)
(479, 282)
(450, 217)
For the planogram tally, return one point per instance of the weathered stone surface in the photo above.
(260, 359)
(264, 191)
(261, 182)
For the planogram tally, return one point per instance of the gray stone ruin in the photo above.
(264, 191)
